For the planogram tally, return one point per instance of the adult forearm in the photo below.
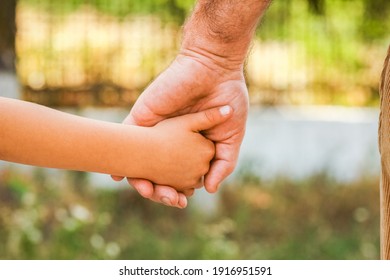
(223, 29)
(36, 135)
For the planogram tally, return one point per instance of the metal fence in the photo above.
(76, 53)
(88, 57)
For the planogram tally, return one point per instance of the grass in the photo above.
(63, 218)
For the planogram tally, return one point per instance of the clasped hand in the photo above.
(191, 85)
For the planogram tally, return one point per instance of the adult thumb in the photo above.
(209, 118)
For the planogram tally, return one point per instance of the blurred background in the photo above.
(307, 182)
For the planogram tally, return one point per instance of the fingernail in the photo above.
(225, 110)
(165, 200)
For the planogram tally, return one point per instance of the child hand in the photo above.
(178, 154)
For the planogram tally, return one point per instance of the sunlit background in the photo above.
(307, 182)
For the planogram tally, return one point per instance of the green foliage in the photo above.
(376, 18)
(335, 48)
(170, 10)
(373, 13)
(337, 38)
(311, 219)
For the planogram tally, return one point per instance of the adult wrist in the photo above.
(223, 30)
(227, 55)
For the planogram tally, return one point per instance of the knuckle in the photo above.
(205, 169)
(210, 116)
(210, 150)
(229, 169)
(191, 183)
(138, 119)
(189, 192)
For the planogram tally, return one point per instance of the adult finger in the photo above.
(182, 201)
(219, 170)
(168, 196)
(221, 166)
(159, 193)
(144, 187)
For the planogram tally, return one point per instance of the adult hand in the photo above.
(195, 82)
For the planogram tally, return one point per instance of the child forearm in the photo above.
(172, 152)
(36, 135)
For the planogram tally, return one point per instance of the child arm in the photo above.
(171, 153)
(36, 135)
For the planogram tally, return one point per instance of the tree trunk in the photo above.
(7, 35)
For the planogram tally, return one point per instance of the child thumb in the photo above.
(209, 118)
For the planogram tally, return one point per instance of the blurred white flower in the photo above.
(80, 213)
(112, 249)
(97, 241)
